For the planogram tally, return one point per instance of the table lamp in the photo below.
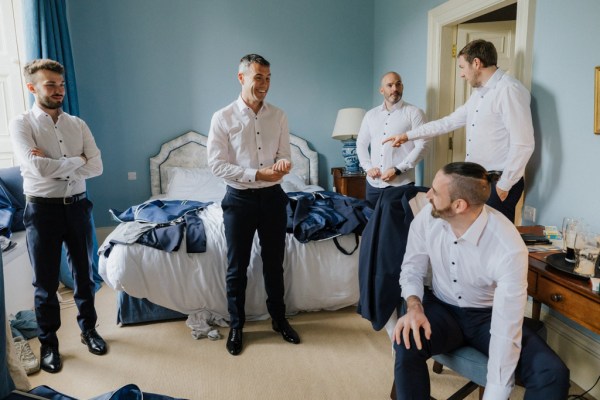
(347, 125)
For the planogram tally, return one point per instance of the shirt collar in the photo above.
(395, 107)
(38, 112)
(243, 107)
(473, 234)
(494, 79)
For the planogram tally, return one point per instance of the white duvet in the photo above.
(317, 275)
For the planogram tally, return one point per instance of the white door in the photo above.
(12, 99)
(502, 35)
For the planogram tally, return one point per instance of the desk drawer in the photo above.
(572, 304)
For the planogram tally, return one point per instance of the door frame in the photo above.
(442, 23)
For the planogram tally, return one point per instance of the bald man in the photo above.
(385, 165)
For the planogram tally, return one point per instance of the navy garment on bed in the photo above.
(323, 215)
(172, 216)
(382, 250)
(159, 211)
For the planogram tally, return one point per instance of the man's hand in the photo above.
(396, 140)
(388, 175)
(503, 194)
(37, 152)
(282, 165)
(413, 320)
(374, 172)
(269, 174)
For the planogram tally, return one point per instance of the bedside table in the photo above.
(352, 185)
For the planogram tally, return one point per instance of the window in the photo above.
(12, 88)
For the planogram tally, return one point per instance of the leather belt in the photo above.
(56, 200)
(494, 176)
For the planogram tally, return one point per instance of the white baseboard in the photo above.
(579, 351)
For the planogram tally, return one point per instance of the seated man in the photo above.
(478, 296)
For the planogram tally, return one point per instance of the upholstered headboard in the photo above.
(189, 150)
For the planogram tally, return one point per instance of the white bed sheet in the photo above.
(317, 275)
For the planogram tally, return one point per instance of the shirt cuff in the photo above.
(249, 175)
(504, 184)
(416, 291)
(496, 392)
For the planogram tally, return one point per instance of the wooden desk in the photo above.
(352, 185)
(560, 291)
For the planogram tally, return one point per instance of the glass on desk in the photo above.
(570, 227)
(587, 250)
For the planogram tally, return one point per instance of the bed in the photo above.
(155, 285)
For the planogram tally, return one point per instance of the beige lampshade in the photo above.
(347, 123)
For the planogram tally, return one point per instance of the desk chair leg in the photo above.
(462, 392)
(437, 367)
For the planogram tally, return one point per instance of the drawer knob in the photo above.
(556, 297)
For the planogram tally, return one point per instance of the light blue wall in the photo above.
(400, 39)
(564, 172)
(149, 70)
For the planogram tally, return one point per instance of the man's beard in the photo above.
(441, 213)
(395, 98)
(47, 102)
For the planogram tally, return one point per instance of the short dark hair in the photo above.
(479, 48)
(470, 182)
(34, 66)
(249, 59)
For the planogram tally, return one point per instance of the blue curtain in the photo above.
(47, 36)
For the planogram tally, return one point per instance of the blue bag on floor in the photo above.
(48, 393)
(127, 392)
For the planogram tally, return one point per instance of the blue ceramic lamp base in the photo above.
(350, 157)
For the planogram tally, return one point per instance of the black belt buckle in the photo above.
(69, 200)
(494, 175)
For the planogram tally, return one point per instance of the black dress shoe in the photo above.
(234, 341)
(96, 345)
(287, 332)
(50, 359)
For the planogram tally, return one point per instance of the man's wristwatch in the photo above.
(397, 171)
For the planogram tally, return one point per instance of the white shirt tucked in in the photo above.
(376, 126)
(485, 267)
(499, 130)
(62, 171)
(241, 142)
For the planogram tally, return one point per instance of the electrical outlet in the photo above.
(132, 176)
(529, 213)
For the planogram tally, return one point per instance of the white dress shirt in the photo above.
(62, 172)
(485, 267)
(377, 125)
(241, 142)
(499, 130)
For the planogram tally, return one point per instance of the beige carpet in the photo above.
(341, 357)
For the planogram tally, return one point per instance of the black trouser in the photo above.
(244, 213)
(541, 371)
(507, 207)
(47, 227)
(373, 193)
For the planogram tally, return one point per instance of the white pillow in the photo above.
(295, 183)
(194, 184)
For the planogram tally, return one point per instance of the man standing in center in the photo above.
(386, 165)
(249, 147)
